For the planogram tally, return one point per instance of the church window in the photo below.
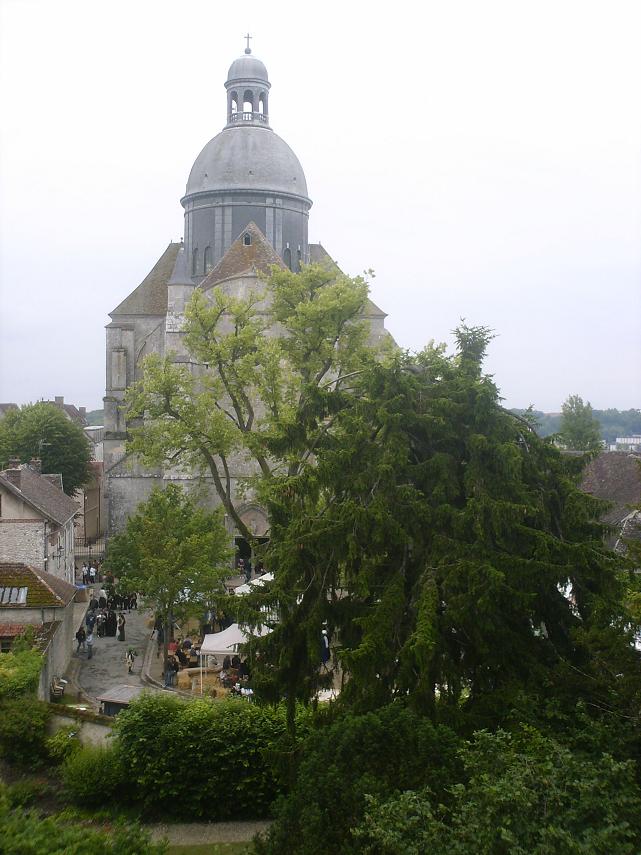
(207, 259)
(234, 102)
(194, 262)
(262, 103)
(287, 257)
(247, 239)
(299, 258)
(248, 101)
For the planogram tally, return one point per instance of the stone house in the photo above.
(36, 520)
(31, 597)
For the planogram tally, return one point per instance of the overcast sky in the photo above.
(484, 158)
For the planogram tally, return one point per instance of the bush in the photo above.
(23, 726)
(27, 834)
(94, 775)
(19, 672)
(62, 744)
(27, 792)
(202, 758)
(377, 753)
(525, 795)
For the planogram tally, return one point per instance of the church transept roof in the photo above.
(150, 297)
(255, 256)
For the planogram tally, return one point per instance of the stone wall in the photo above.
(91, 729)
(23, 541)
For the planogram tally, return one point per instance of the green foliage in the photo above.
(264, 398)
(23, 723)
(63, 744)
(522, 795)
(42, 430)
(26, 793)
(95, 775)
(377, 754)
(580, 430)
(613, 423)
(173, 552)
(200, 759)
(29, 834)
(451, 551)
(19, 672)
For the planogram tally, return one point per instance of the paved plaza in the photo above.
(107, 668)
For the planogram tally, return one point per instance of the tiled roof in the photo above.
(43, 589)
(150, 297)
(615, 476)
(258, 257)
(43, 632)
(40, 493)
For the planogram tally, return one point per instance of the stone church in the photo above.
(246, 209)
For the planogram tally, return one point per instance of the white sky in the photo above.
(484, 158)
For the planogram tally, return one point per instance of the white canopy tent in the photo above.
(217, 645)
(259, 580)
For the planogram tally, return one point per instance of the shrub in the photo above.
(19, 672)
(525, 795)
(25, 833)
(376, 753)
(23, 731)
(25, 793)
(202, 758)
(62, 744)
(94, 775)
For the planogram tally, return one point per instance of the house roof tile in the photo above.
(43, 589)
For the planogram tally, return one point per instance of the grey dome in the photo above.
(247, 67)
(247, 158)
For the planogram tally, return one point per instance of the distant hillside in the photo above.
(96, 417)
(613, 422)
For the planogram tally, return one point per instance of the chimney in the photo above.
(60, 401)
(13, 472)
(35, 464)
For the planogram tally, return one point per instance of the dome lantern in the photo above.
(247, 88)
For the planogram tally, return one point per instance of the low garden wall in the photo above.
(92, 728)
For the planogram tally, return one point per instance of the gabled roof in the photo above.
(40, 493)
(239, 259)
(615, 476)
(319, 255)
(43, 589)
(150, 297)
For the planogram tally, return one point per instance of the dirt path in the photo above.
(207, 832)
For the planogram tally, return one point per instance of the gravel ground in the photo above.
(207, 832)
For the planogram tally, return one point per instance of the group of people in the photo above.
(245, 568)
(90, 573)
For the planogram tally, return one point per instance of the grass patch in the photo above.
(211, 849)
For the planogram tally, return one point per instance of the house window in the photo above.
(5, 644)
(13, 596)
(247, 239)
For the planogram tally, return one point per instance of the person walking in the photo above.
(121, 627)
(81, 637)
(130, 658)
(90, 645)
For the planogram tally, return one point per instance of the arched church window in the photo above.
(207, 259)
(299, 259)
(247, 239)
(248, 101)
(287, 257)
(262, 103)
(194, 263)
(234, 102)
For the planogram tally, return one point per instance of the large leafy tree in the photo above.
(274, 368)
(42, 430)
(580, 430)
(173, 552)
(448, 549)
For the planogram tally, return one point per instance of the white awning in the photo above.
(227, 641)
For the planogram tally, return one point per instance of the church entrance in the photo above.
(243, 550)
